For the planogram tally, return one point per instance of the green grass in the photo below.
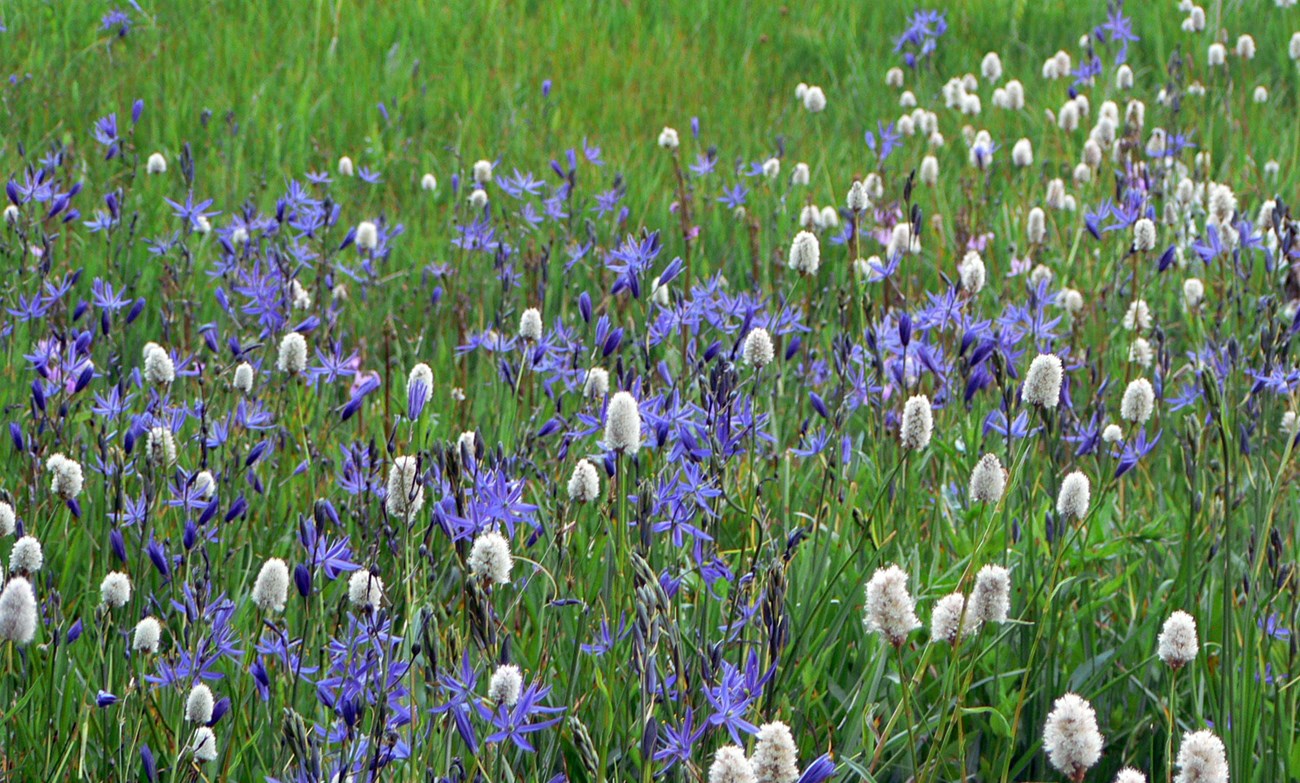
(264, 92)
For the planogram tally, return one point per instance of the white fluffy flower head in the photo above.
(890, 611)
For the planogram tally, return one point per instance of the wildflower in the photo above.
(929, 173)
(1112, 434)
(419, 384)
(918, 423)
(991, 67)
(26, 558)
(805, 253)
(814, 100)
(158, 366)
(772, 168)
(204, 745)
(17, 612)
(1130, 775)
(1074, 497)
(1043, 381)
(478, 198)
(1201, 759)
(990, 602)
(659, 293)
(115, 590)
(293, 354)
(774, 759)
(244, 378)
(1177, 642)
(1293, 46)
(160, 445)
(1193, 293)
(8, 520)
(482, 171)
(890, 611)
(596, 384)
(367, 235)
(147, 634)
(1071, 738)
(894, 77)
(365, 590)
(1124, 77)
(1144, 235)
(1260, 95)
(467, 444)
(198, 707)
(429, 182)
(972, 272)
(584, 485)
(801, 176)
(830, 217)
(988, 480)
(758, 350)
(623, 424)
(345, 166)
(1138, 402)
(668, 138)
(1022, 154)
(1246, 47)
(156, 164)
(489, 558)
(505, 686)
(530, 325)
(1037, 228)
(731, 766)
(271, 589)
(947, 622)
(405, 492)
(1290, 423)
(1216, 55)
(1138, 316)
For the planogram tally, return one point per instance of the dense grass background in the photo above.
(267, 91)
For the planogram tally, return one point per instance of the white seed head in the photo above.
(1075, 496)
(26, 558)
(890, 611)
(775, 757)
(814, 100)
(668, 139)
(1144, 235)
(802, 175)
(596, 384)
(917, 425)
(405, 492)
(8, 519)
(530, 325)
(623, 424)
(1112, 434)
(17, 612)
(478, 198)
(1177, 645)
(160, 447)
(345, 166)
(429, 183)
(1043, 381)
(972, 272)
(1138, 316)
(367, 235)
(1201, 759)
(1130, 775)
(805, 253)
(1216, 55)
(199, 705)
(293, 354)
(990, 602)
(1193, 293)
(115, 590)
(894, 77)
(271, 589)
(991, 67)
(148, 632)
(1070, 736)
(758, 350)
(482, 172)
(506, 685)
(1124, 77)
(489, 558)
(929, 173)
(731, 766)
(244, 375)
(204, 745)
(1036, 229)
(365, 590)
(988, 480)
(772, 168)
(157, 164)
(1022, 154)
(584, 484)
(159, 369)
(1139, 401)
(947, 622)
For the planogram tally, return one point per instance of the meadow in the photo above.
(684, 391)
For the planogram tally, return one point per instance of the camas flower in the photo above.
(1071, 738)
(890, 611)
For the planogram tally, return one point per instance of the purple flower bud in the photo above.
(74, 507)
(105, 699)
(80, 310)
(118, 545)
(671, 271)
(609, 464)
(546, 88)
(135, 311)
(137, 109)
(74, 633)
(665, 372)
(713, 350)
(793, 347)
(105, 323)
(16, 435)
(191, 535)
(905, 329)
(551, 427)
(209, 511)
(87, 375)
(613, 341)
(38, 395)
(158, 556)
(584, 306)
(302, 580)
(821, 770)
(11, 190)
(695, 127)
(256, 453)
(219, 710)
(237, 509)
(1167, 258)
(150, 766)
(324, 512)
(818, 405)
